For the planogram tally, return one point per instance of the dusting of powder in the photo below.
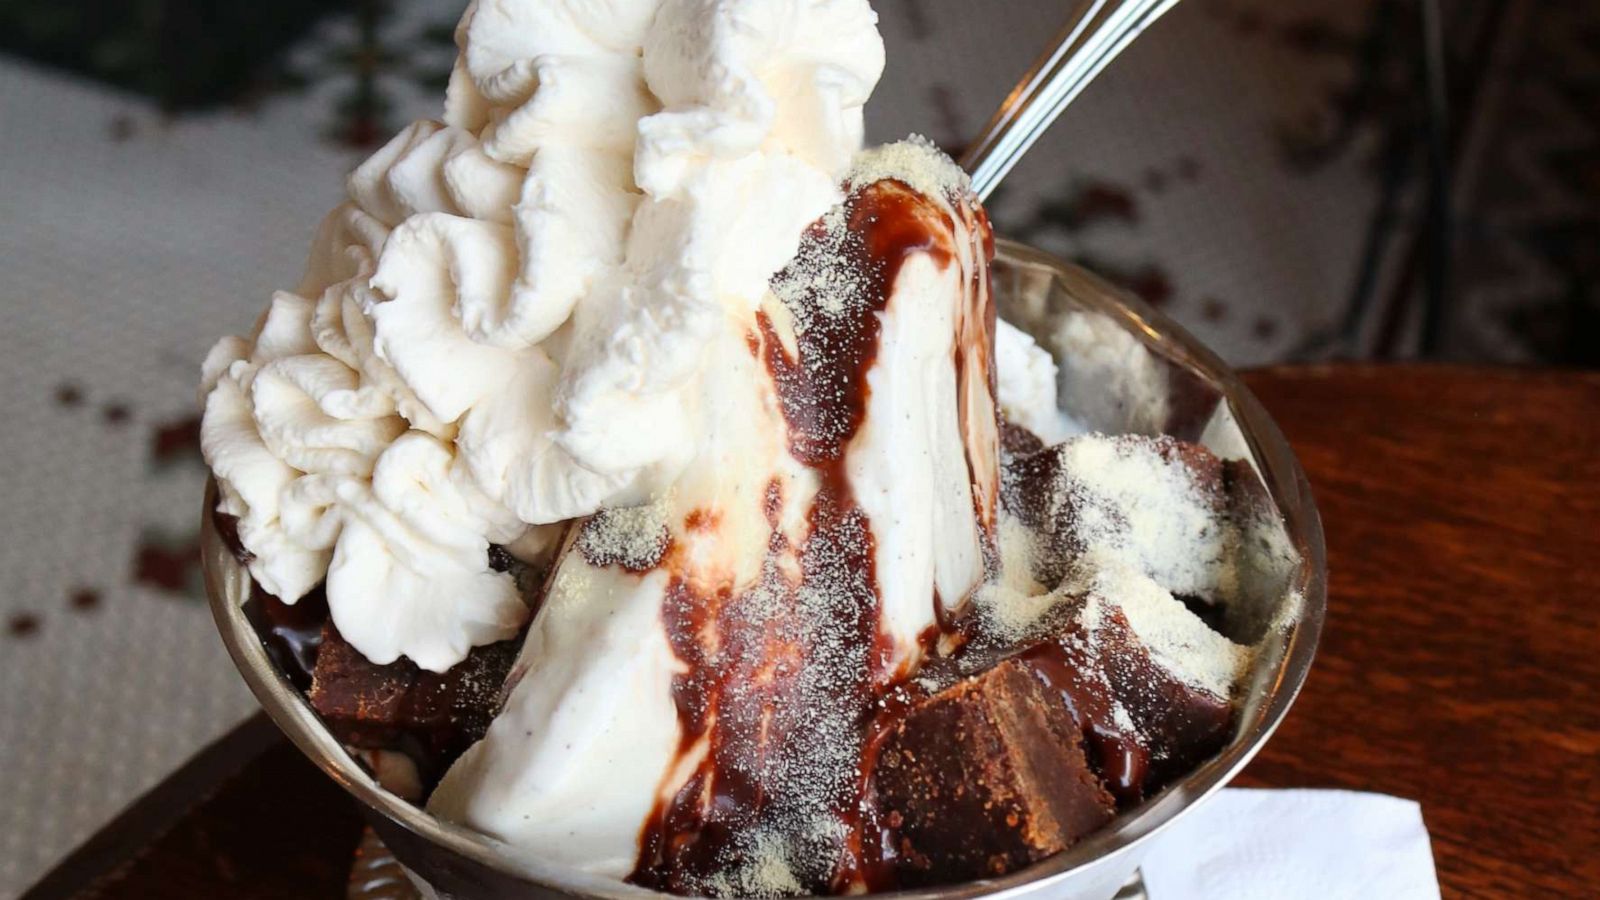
(1121, 718)
(814, 286)
(765, 868)
(1142, 527)
(765, 872)
(815, 289)
(1012, 603)
(1123, 500)
(1177, 640)
(1129, 503)
(916, 162)
(633, 537)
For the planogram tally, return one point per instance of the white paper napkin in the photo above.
(1287, 844)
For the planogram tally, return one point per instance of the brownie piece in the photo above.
(434, 717)
(984, 778)
(1142, 726)
(1147, 713)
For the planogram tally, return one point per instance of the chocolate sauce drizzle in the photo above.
(291, 633)
(1166, 728)
(1114, 751)
(788, 685)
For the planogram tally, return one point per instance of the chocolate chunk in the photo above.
(1148, 713)
(984, 778)
(1016, 440)
(432, 716)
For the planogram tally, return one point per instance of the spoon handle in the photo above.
(1092, 36)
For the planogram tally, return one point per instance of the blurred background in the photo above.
(1294, 180)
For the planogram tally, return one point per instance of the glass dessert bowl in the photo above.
(1124, 369)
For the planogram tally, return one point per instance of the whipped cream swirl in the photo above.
(500, 328)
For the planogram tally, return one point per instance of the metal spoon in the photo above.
(1092, 36)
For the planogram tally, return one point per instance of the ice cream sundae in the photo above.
(640, 476)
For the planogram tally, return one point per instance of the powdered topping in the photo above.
(830, 294)
(1123, 720)
(1012, 603)
(1177, 640)
(813, 286)
(916, 162)
(1152, 503)
(633, 537)
(1133, 502)
(778, 679)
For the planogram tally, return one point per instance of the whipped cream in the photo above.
(433, 299)
(762, 111)
(531, 282)
(337, 471)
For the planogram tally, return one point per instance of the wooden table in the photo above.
(1461, 659)
(1459, 666)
